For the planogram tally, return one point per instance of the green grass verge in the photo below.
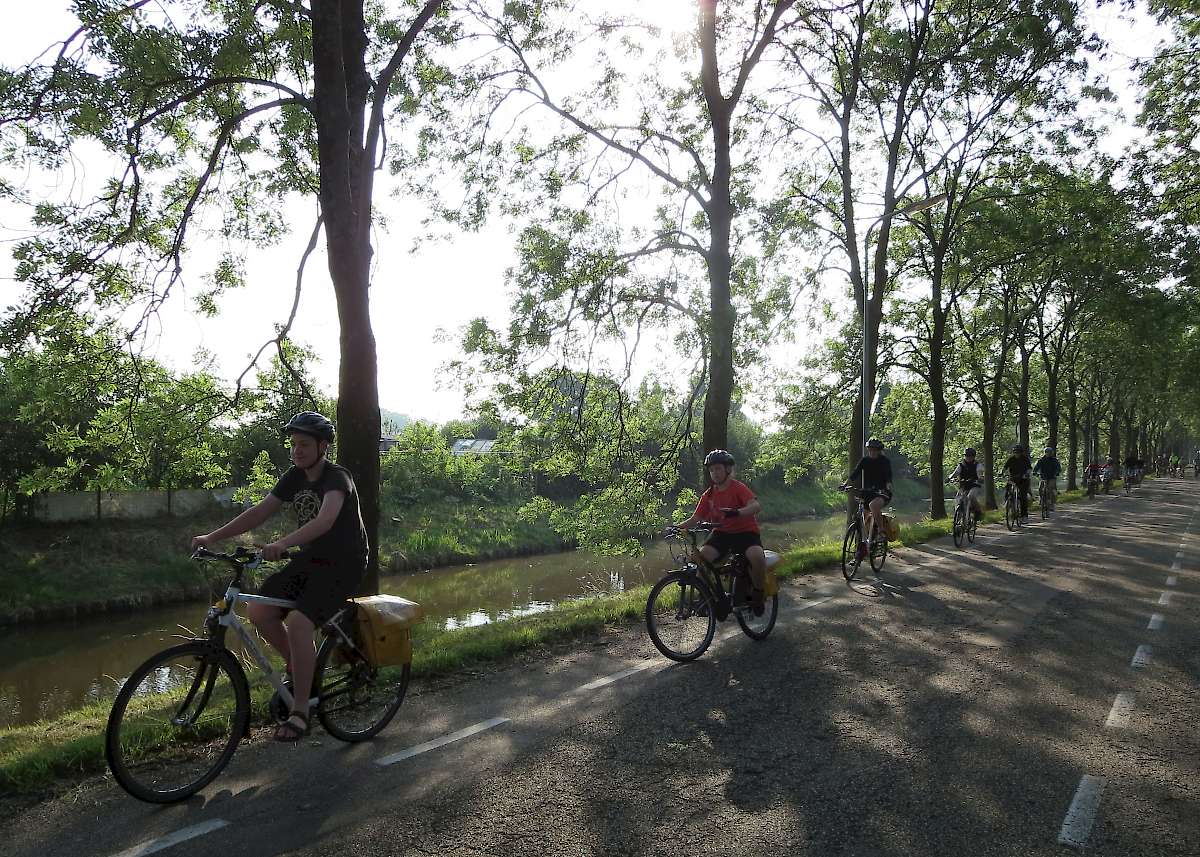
(32, 757)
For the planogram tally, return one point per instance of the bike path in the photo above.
(953, 708)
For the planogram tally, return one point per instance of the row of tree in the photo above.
(927, 159)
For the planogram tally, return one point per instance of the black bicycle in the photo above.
(856, 534)
(179, 717)
(1012, 506)
(965, 521)
(684, 607)
(1046, 498)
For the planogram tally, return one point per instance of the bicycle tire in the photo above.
(972, 525)
(693, 602)
(850, 561)
(878, 554)
(759, 627)
(1044, 503)
(154, 752)
(351, 686)
(1010, 512)
(959, 527)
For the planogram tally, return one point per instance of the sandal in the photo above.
(288, 732)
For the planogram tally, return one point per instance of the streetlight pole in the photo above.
(903, 211)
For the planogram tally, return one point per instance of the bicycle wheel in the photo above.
(680, 616)
(960, 526)
(177, 721)
(1010, 511)
(757, 627)
(879, 552)
(850, 561)
(972, 524)
(355, 699)
(1044, 502)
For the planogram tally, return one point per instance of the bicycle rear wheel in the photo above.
(879, 552)
(960, 526)
(177, 721)
(758, 626)
(355, 699)
(680, 616)
(850, 561)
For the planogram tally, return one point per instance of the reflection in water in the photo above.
(48, 669)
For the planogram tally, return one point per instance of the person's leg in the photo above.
(269, 622)
(974, 506)
(876, 510)
(709, 553)
(304, 655)
(758, 567)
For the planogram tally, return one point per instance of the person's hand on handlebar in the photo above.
(205, 541)
(273, 551)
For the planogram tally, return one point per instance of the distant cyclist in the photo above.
(875, 469)
(1018, 467)
(969, 476)
(1047, 468)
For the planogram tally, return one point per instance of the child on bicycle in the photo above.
(1047, 469)
(875, 468)
(329, 567)
(731, 505)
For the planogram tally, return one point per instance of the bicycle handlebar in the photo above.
(242, 557)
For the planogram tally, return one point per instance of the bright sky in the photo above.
(415, 296)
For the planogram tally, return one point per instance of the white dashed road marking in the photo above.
(1118, 716)
(1164, 599)
(1141, 657)
(441, 742)
(1156, 622)
(1082, 813)
(615, 677)
(171, 839)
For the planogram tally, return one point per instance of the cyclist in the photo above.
(1092, 474)
(1047, 469)
(1018, 467)
(731, 505)
(876, 471)
(1131, 464)
(1196, 462)
(969, 475)
(330, 565)
(1176, 470)
(1109, 473)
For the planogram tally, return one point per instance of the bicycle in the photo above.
(684, 606)
(965, 521)
(1129, 480)
(1046, 494)
(877, 550)
(1012, 509)
(179, 717)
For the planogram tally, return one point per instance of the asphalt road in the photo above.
(977, 702)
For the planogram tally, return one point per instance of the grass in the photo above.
(33, 757)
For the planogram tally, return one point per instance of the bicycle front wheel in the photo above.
(960, 526)
(354, 699)
(879, 552)
(850, 561)
(1010, 512)
(1044, 503)
(177, 721)
(972, 525)
(680, 616)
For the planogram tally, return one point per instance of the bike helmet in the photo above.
(874, 443)
(310, 423)
(969, 452)
(719, 456)
(1049, 450)
(1018, 448)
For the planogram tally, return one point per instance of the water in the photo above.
(48, 669)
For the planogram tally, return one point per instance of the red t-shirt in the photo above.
(735, 496)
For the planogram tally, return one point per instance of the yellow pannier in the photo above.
(772, 584)
(384, 623)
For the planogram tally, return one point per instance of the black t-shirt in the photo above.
(1018, 466)
(876, 472)
(346, 540)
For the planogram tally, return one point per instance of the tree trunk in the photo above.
(1023, 399)
(1052, 415)
(340, 86)
(937, 458)
(1114, 435)
(1073, 442)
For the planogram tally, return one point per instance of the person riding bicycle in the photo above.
(1109, 473)
(1047, 469)
(1196, 461)
(969, 476)
(876, 471)
(331, 562)
(731, 505)
(1131, 468)
(1175, 466)
(1018, 467)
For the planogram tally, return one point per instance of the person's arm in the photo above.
(250, 519)
(748, 505)
(697, 516)
(887, 475)
(331, 505)
(857, 471)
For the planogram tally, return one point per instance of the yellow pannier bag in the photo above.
(891, 528)
(772, 585)
(384, 623)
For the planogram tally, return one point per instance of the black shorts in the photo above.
(318, 587)
(737, 543)
(869, 494)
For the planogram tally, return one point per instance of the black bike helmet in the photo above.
(969, 452)
(719, 456)
(1018, 448)
(874, 443)
(310, 423)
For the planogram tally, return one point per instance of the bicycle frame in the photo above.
(710, 574)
